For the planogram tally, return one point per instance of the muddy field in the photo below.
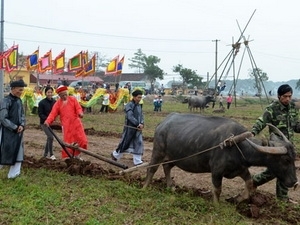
(262, 206)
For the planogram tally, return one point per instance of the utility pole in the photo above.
(216, 63)
(2, 48)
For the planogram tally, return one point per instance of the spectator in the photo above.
(105, 102)
(157, 103)
(44, 110)
(38, 96)
(59, 82)
(162, 90)
(117, 87)
(12, 119)
(88, 97)
(229, 100)
(65, 82)
(129, 87)
(219, 86)
(195, 90)
(220, 99)
(223, 87)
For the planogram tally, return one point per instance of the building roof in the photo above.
(123, 77)
(43, 78)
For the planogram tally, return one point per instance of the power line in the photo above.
(91, 46)
(105, 35)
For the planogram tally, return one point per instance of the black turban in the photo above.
(18, 83)
(137, 92)
(284, 89)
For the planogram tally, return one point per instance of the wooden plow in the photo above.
(76, 147)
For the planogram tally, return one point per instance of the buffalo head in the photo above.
(281, 159)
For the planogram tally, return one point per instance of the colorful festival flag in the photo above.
(59, 63)
(75, 63)
(90, 67)
(2, 61)
(79, 73)
(11, 58)
(111, 68)
(32, 60)
(85, 57)
(45, 62)
(120, 66)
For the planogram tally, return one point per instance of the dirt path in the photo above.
(35, 140)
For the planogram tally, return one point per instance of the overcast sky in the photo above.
(176, 31)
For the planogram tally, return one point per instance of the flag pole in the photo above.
(38, 78)
(2, 48)
(52, 75)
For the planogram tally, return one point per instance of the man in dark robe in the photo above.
(12, 119)
(132, 140)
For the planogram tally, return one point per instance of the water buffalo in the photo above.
(200, 102)
(192, 143)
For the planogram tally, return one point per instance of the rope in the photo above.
(176, 160)
(226, 143)
(132, 127)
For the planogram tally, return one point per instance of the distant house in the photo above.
(123, 77)
(53, 78)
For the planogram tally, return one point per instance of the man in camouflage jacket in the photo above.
(283, 114)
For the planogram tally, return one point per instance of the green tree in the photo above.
(137, 61)
(151, 69)
(101, 60)
(259, 77)
(298, 85)
(189, 77)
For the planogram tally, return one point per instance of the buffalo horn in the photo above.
(267, 149)
(242, 136)
(277, 131)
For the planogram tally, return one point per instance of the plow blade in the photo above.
(75, 147)
(96, 156)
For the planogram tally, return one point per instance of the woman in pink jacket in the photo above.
(229, 100)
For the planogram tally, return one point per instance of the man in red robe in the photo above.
(70, 112)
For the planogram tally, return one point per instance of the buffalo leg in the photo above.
(167, 171)
(158, 157)
(249, 189)
(217, 189)
(150, 173)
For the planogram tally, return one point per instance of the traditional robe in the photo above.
(132, 140)
(72, 127)
(11, 117)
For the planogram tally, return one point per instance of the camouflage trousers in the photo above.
(266, 176)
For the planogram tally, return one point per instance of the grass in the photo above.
(41, 196)
(48, 197)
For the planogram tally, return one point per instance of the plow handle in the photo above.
(61, 143)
